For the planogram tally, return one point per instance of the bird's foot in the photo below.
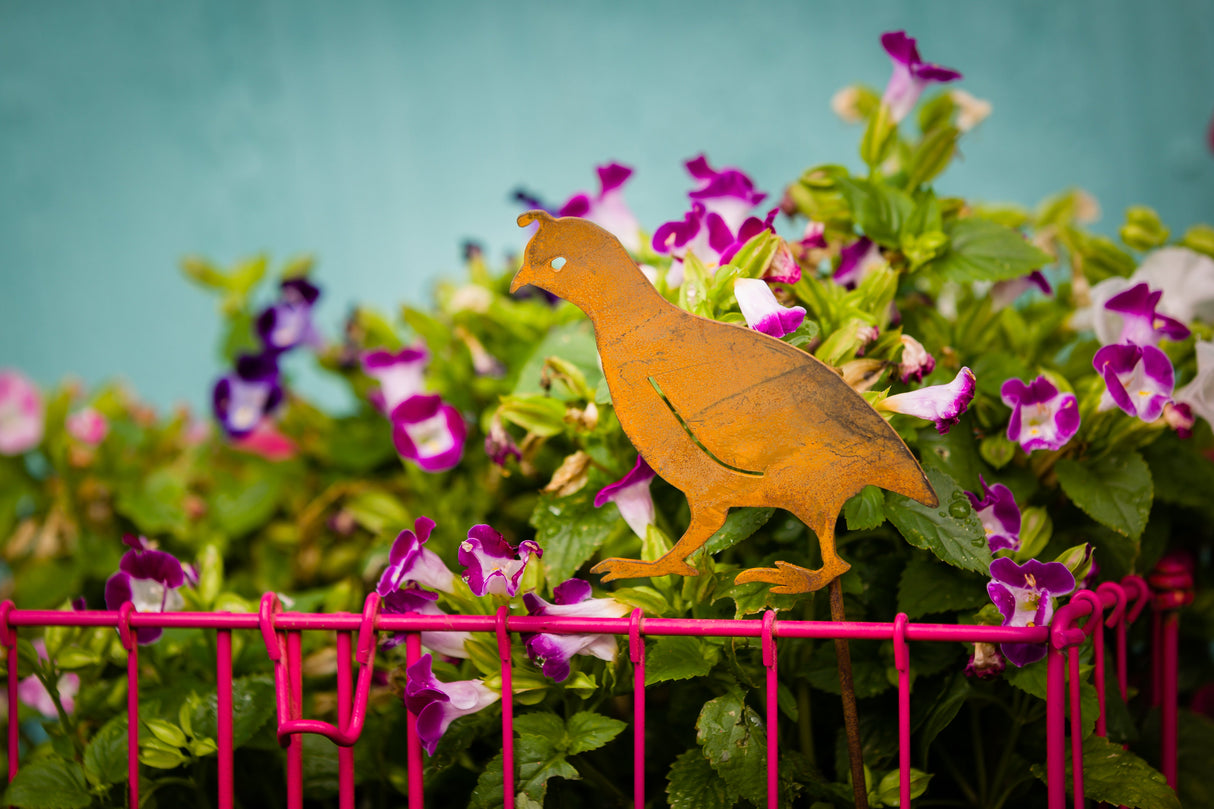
(613, 569)
(789, 578)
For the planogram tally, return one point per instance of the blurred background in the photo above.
(380, 135)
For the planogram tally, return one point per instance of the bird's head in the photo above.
(563, 254)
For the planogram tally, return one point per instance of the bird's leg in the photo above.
(788, 578)
(704, 523)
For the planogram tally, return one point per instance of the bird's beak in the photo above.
(521, 278)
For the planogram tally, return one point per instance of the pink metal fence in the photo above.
(1115, 605)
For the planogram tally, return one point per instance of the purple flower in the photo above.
(999, 514)
(700, 232)
(1004, 293)
(916, 362)
(631, 496)
(493, 565)
(87, 426)
(762, 311)
(553, 652)
(986, 662)
(414, 599)
(728, 193)
(1025, 596)
(429, 432)
(1198, 395)
(499, 445)
(856, 261)
(410, 563)
(607, 209)
(149, 579)
(288, 323)
(1042, 417)
(1138, 379)
(437, 704)
(911, 74)
(243, 398)
(1186, 279)
(942, 404)
(21, 417)
(1179, 416)
(1141, 324)
(401, 375)
(31, 691)
(752, 227)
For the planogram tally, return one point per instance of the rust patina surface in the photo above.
(730, 416)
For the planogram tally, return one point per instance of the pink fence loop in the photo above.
(8, 635)
(266, 611)
(769, 634)
(367, 635)
(1141, 595)
(1097, 616)
(636, 645)
(503, 634)
(1063, 632)
(1172, 583)
(1120, 601)
(125, 634)
(901, 649)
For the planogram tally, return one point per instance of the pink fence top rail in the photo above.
(1072, 624)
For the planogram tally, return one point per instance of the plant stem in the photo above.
(1008, 749)
(979, 752)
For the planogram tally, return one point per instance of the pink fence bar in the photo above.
(1112, 605)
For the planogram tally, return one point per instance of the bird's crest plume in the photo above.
(534, 216)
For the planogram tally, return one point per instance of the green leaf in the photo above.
(246, 500)
(692, 783)
(1032, 680)
(982, 250)
(544, 724)
(588, 730)
(887, 791)
(1115, 491)
(734, 741)
(948, 705)
(105, 756)
(155, 503)
(647, 598)
(572, 342)
(927, 588)
(741, 524)
(878, 209)
(1116, 776)
(379, 511)
(358, 444)
(536, 413)
(570, 529)
(952, 531)
(954, 453)
(1180, 473)
(253, 702)
(931, 156)
(880, 136)
(865, 510)
(679, 658)
(49, 783)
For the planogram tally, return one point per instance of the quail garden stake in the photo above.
(709, 432)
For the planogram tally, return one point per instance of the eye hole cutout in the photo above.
(557, 263)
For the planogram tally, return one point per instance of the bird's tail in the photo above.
(906, 478)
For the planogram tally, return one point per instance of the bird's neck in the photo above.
(621, 297)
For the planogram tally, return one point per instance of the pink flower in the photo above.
(437, 704)
(1138, 379)
(429, 432)
(267, 441)
(856, 261)
(942, 404)
(87, 426)
(916, 362)
(1025, 596)
(631, 496)
(911, 74)
(608, 209)
(1042, 417)
(762, 311)
(552, 651)
(21, 417)
(401, 374)
(999, 514)
(493, 565)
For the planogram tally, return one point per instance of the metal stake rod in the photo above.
(851, 718)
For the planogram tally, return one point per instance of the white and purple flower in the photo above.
(999, 514)
(570, 598)
(942, 404)
(244, 397)
(149, 579)
(21, 415)
(762, 311)
(1042, 416)
(493, 565)
(400, 374)
(32, 692)
(701, 232)
(1138, 379)
(288, 323)
(856, 261)
(729, 193)
(437, 704)
(1003, 293)
(607, 209)
(1024, 595)
(916, 362)
(411, 563)
(1198, 395)
(632, 497)
(911, 74)
(1141, 324)
(414, 599)
(986, 662)
(1186, 279)
(429, 432)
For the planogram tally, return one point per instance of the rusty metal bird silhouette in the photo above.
(730, 416)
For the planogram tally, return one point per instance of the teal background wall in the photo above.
(379, 135)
